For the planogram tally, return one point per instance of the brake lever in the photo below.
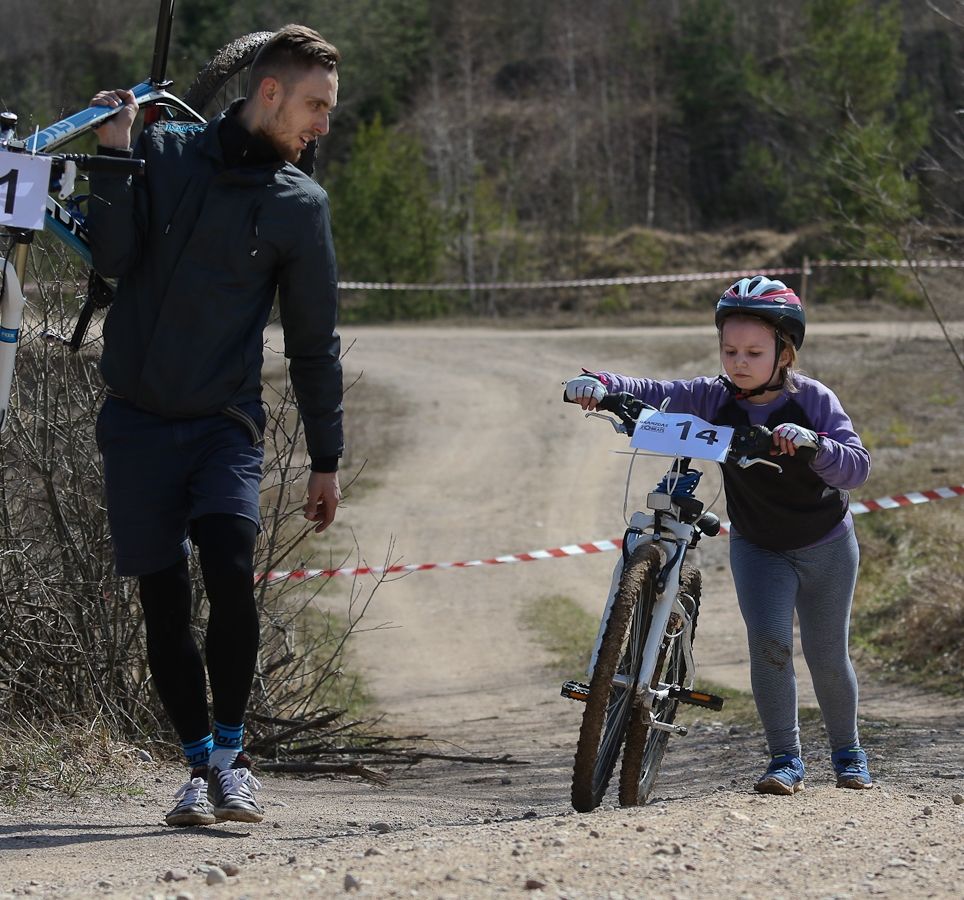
(618, 426)
(744, 462)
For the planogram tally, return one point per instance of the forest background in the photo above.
(537, 139)
(529, 139)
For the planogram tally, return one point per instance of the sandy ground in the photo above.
(480, 459)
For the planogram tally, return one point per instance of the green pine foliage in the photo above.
(712, 93)
(523, 135)
(838, 142)
(385, 224)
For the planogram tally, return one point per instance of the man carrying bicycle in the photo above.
(222, 222)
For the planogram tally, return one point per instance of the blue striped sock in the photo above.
(227, 744)
(197, 753)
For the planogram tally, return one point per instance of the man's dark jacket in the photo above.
(200, 250)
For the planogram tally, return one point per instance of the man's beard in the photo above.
(270, 131)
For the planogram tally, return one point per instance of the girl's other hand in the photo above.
(788, 438)
(586, 390)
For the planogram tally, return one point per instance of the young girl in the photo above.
(792, 543)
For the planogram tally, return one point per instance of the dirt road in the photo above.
(480, 459)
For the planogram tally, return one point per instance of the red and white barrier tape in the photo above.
(857, 508)
(648, 279)
(561, 283)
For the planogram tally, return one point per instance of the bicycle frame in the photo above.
(67, 225)
(61, 222)
(674, 539)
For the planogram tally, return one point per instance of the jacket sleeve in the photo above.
(699, 396)
(308, 303)
(117, 215)
(841, 461)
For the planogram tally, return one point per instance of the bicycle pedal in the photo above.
(576, 690)
(697, 698)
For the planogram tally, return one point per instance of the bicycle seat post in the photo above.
(162, 43)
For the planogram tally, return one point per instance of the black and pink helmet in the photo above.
(771, 300)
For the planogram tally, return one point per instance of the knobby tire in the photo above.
(645, 746)
(224, 77)
(608, 706)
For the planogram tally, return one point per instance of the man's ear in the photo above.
(270, 91)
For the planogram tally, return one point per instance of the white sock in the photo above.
(223, 757)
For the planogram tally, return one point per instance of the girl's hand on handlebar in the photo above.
(586, 390)
(788, 438)
(116, 131)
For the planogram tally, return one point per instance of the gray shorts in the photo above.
(161, 474)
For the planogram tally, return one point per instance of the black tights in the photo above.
(225, 546)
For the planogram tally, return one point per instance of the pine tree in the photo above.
(384, 223)
(841, 142)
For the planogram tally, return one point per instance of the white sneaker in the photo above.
(193, 806)
(231, 793)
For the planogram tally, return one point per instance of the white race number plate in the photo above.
(678, 434)
(24, 184)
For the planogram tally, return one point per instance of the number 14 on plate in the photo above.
(679, 434)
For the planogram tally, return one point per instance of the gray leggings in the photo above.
(819, 583)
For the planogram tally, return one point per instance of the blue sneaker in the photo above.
(784, 775)
(850, 764)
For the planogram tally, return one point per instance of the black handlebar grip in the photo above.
(754, 440)
(114, 165)
(611, 403)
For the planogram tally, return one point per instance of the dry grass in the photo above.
(67, 759)
(904, 398)
(909, 612)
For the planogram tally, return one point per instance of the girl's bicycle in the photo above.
(220, 81)
(642, 665)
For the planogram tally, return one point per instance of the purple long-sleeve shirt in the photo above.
(841, 461)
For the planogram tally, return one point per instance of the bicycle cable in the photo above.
(670, 485)
(629, 478)
(719, 489)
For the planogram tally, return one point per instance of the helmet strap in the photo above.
(771, 384)
(740, 394)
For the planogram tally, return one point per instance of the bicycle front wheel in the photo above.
(612, 686)
(645, 746)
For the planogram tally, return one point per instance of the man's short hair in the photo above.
(289, 53)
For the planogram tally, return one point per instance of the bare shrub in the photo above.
(71, 642)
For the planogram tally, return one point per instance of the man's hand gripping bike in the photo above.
(642, 664)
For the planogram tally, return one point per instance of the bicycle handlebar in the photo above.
(86, 162)
(118, 165)
(748, 440)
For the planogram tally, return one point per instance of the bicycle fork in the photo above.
(12, 303)
(671, 620)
